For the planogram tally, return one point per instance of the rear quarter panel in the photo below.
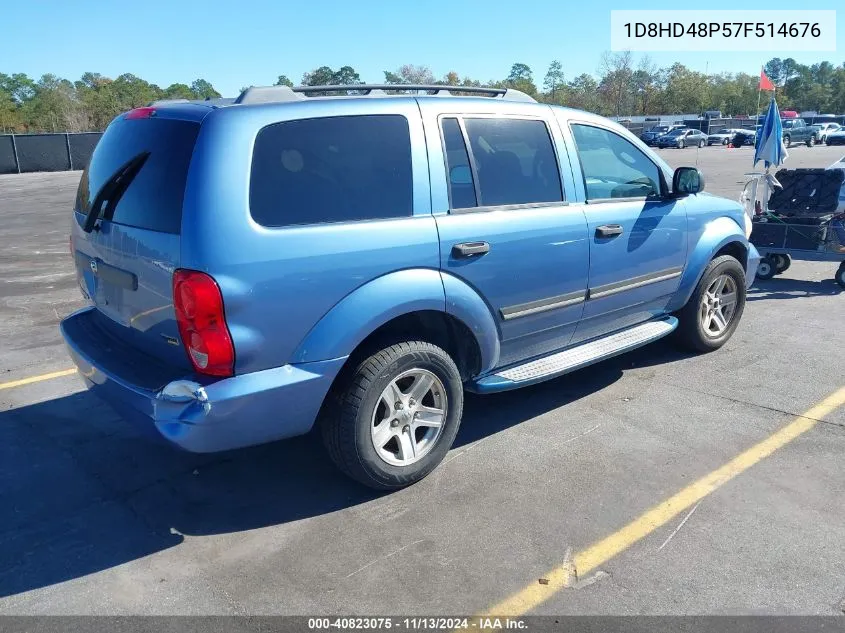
(278, 283)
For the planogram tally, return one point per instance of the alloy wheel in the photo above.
(718, 306)
(409, 417)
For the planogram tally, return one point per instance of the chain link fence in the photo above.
(23, 153)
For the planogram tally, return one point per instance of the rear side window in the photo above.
(153, 198)
(514, 160)
(333, 169)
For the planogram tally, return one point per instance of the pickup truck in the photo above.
(797, 131)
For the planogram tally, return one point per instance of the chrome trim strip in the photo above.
(543, 305)
(634, 282)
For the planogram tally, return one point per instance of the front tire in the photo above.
(395, 416)
(681, 145)
(787, 142)
(701, 144)
(811, 142)
(712, 313)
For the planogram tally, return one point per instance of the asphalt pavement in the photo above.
(98, 519)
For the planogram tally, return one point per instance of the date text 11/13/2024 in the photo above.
(417, 623)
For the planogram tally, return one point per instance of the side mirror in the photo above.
(460, 175)
(686, 181)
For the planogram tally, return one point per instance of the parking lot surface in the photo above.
(97, 519)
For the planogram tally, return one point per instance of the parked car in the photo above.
(836, 138)
(745, 137)
(797, 131)
(651, 135)
(724, 137)
(823, 129)
(259, 267)
(684, 137)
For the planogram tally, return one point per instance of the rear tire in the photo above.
(712, 313)
(787, 141)
(388, 447)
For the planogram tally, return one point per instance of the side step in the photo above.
(575, 357)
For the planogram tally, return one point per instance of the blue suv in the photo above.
(342, 257)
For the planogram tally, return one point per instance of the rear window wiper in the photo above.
(113, 188)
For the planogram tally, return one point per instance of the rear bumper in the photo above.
(204, 416)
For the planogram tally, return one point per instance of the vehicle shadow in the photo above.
(785, 288)
(83, 491)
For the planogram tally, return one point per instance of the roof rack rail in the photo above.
(276, 94)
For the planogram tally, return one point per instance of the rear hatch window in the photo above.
(153, 198)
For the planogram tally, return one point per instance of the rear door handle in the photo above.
(470, 249)
(608, 230)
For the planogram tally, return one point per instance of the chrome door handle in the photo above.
(470, 249)
(608, 230)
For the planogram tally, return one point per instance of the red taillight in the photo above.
(140, 113)
(202, 323)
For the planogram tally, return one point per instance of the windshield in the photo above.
(676, 133)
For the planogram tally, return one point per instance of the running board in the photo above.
(575, 357)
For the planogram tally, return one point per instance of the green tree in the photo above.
(345, 76)
(202, 89)
(179, 91)
(554, 82)
(322, 76)
(686, 91)
(10, 116)
(646, 82)
(19, 86)
(520, 78)
(283, 81)
(583, 93)
(325, 76)
(617, 82)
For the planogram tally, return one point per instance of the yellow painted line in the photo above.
(33, 379)
(599, 553)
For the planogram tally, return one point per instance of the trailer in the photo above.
(796, 215)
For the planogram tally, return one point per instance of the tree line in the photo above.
(622, 86)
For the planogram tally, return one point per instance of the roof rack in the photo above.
(276, 94)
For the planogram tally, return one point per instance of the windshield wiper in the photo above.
(113, 188)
